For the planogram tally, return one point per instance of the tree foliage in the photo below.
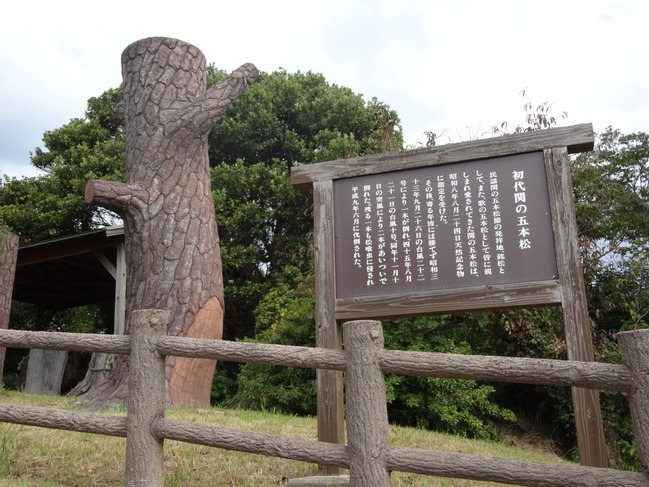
(52, 205)
(301, 118)
(265, 225)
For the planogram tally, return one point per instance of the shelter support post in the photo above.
(8, 257)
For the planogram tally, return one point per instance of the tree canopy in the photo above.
(265, 228)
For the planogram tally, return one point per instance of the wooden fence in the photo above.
(367, 454)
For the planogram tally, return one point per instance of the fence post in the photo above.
(634, 346)
(367, 411)
(146, 399)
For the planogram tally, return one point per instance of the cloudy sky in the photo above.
(454, 67)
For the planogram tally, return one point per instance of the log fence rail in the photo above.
(367, 454)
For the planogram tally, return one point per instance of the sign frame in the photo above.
(568, 290)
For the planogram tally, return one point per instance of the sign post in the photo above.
(487, 224)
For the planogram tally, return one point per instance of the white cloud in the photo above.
(454, 67)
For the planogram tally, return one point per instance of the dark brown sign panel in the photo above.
(450, 226)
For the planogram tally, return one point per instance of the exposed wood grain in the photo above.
(508, 471)
(588, 414)
(450, 301)
(576, 138)
(45, 371)
(77, 342)
(120, 291)
(251, 442)
(80, 421)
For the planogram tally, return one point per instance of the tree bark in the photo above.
(172, 248)
(8, 257)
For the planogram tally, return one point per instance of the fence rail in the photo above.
(368, 454)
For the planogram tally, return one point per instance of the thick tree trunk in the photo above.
(8, 256)
(172, 248)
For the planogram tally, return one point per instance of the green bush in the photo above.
(286, 317)
(462, 407)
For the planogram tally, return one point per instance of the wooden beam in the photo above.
(588, 414)
(328, 333)
(577, 138)
(450, 301)
(120, 291)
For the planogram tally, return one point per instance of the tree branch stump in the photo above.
(172, 246)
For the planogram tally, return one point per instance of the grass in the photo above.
(39, 457)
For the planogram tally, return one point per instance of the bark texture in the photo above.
(367, 412)
(634, 346)
(172, 249)
(8, 257)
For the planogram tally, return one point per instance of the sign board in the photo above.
(484, 224)
(453, 226)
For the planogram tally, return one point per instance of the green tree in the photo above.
(265, 225)
(52, 205)
(300, 118)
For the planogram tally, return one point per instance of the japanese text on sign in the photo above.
(444, 227)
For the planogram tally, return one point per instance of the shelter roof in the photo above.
(69, 271)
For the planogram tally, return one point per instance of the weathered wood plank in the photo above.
(588, 415)
(450, 301)
(330, 402)
(508, 471)
(252, 442)
(576, 138)
(45, 371)
(72, 342)
(80, 421)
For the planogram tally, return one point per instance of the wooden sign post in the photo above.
(486, 224)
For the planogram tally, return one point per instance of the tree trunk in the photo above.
(8, 257)
(173, 259)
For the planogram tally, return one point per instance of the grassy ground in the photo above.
(38, 457)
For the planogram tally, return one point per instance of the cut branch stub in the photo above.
(172, 248)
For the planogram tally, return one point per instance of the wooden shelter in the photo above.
(73, 271)
(67, 272)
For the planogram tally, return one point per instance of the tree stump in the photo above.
(172, 247)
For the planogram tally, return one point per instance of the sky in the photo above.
(453, 67)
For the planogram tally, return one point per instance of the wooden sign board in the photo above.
(485, 224)
(450, 227)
